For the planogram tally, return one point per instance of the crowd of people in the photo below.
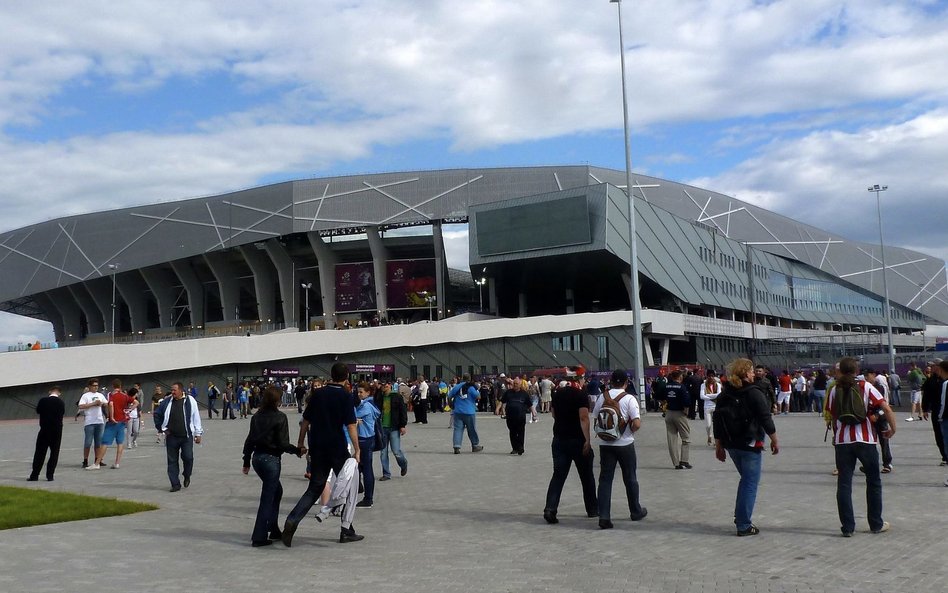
(343, 424)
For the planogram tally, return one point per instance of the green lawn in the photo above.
(25, 507)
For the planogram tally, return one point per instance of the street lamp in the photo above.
(114, 268)
(306, 286)
(636, 305)
(480, 284)
(429, 298)
(878, 189)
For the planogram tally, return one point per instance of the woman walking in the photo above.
(268, 439)
(710, 389)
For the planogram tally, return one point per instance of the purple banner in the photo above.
(355, 287)
(409, 282)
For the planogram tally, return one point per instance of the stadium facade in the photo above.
(719, 277)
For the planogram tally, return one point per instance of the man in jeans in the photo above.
(463, 401)
(857, 442)
(570, 408)
(620, 451)
(394, 422)
(179, 419)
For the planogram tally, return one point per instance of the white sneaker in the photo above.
(323, 514)
(946, 482)
(93, 466)
(910, 419)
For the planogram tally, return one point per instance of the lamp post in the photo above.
(306, 286)
(113, 267)
(878, 189)
(636, 305)
(480, 284)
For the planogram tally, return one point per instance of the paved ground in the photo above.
(473, 522)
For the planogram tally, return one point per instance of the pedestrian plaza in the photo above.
(473, 522)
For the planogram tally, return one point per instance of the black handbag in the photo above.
(378, 444)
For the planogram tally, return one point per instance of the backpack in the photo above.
(609, 423)
(732, 415)
(850, 407)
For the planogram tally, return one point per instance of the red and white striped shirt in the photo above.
(864, 432)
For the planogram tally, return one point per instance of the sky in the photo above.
(793, 105)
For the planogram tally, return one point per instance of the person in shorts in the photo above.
(92, 403)
(116, 422)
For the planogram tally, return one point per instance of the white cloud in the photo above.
(15, 329)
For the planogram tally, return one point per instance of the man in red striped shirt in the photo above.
(857, 442)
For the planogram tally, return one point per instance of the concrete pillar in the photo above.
(647, 349)
(441, 267)
(380, 268)
(327, 277)
(52, 314)
(226, 276)
(100, 289)
(492, 297)
(94, 319)
(263, 281)
(570, 302)
(666, 344)
(192, 285)
(132, 288)
(521, 304)
(286, 272)
(69, 311)
(162, 284)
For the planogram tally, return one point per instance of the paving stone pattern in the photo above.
(473, 522)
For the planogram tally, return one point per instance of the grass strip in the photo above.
(26, 507)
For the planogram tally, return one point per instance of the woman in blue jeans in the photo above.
(741, 418)
(366, 417)
(268, 439)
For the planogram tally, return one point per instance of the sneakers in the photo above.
(550, 517)
(115, 466)
(85, 463)
(605, 524)
(93, 466)
(322, 515)
(946, 482)
(364, 504)
(289, 528)
(404, 471)
(477, 448)
(847, 534)
(752, 530)
(943, 463)
(685, 465)
(640, 516)
(187, 481)
(885, 527)
(261, 543)
(347, 536)
(385, 478)
(457, 450)
(910, 419)
(887, 469)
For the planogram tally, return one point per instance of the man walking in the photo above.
(463, 401)
(116, 422)
(51, 410)
(212, 394)
(932, 406)
(855, 440)
(93, 404)
(915, 379)
(394, 425)
(330, 411)
(181, 424)
(571, 446)
(677, 429)
(621, 451)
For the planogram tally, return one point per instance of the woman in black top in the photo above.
(268, 439)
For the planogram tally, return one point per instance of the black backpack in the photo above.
(850, 407)
(733, 417)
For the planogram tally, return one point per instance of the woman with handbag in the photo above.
(268, 439)
(367, 416)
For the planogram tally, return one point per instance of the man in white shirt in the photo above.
(620, 451)
(93, 403)
(420, 405)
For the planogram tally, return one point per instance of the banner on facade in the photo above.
(410, 282)
(355, 287)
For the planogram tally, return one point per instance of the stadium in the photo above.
(252, 283)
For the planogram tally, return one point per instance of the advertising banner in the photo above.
(355, 287)
(371, 368)
(409, 281)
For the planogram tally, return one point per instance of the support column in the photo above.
(100, 290)
(226, 277)
(287, 274)
(263, 282)
(492, 297)
(94, 319)
(441, 267)
(69, 311)
(193, 287)
(52, 313)
(570, 302)
(327, 277)
(666, 344)
(379, 267)
(132, 287)
(649, 357)
(162, 284)
(521, 304)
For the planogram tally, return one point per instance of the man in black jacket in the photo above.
(931, 405)
(677, 429)
(394, 421)
(51, 410)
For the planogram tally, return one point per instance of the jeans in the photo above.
(816, 400)
(392, 438)
(517, 426)
(567, 452)
(609, 456)
(944, 431)
(321, 464)
(846, 457)
(462, 421)
(175, 447)
(271, 493)
(940, 442)
(748, 464)
(92, 435)
(212, 407)
(896, 396)
(365, 467)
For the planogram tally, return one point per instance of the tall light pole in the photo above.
(306, 286)
(480, 284)
(878, 189)
(113, 267)
(636, 305)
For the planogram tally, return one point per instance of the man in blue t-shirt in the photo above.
(463, 401)
(330, 412)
